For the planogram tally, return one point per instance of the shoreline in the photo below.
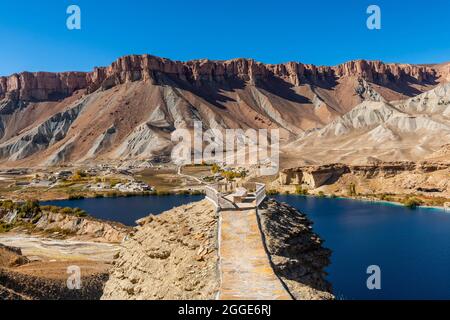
(387, 202)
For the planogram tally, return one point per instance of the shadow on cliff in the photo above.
(406, 85)
(213, 91)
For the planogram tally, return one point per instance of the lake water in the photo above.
(127, 209)
(412, 247)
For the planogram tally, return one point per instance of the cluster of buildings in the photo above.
(133, 187)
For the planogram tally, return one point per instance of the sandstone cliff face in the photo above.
(42, 86)
(318, 175)
(83, 227)
(295, 251)
(170, 257)
(80, 227)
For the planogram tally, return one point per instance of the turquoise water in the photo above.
(411, 247)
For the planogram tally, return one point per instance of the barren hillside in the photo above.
(129, 109)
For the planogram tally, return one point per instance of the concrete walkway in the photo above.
(246, 273)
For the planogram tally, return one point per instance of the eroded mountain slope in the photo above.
(129, 109)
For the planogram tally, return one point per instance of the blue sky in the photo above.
(34, 36)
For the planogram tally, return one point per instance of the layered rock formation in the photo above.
(128, 109)
(316, 176)
(296, 252)
(18, 286)
(71, 225)
(172, 256)
(42, 86)
(390, 131)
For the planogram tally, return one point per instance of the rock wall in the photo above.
(43, 86)
(317, 176)
(296, 252)
(171, 256)
(17, 286)
(81, 227)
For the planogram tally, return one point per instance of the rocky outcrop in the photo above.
(170, 256)
(11, 257)
(318, 175)
(18, 286)
(42, 136)
(385, 73)
(296, 252)
(15, 285)
(313, 176)
(70, 225)
(146, 67)
(44, 86)
(83, 227)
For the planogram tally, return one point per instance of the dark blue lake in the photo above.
(412, 247)
(128, 209)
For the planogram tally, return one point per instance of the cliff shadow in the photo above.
(210, 91)
(283, 89)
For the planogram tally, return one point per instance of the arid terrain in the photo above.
(362, 129)
(127, 111)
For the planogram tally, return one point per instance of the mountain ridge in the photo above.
(40, 86)
(126, 111)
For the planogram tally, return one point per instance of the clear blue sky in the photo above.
(34, 36)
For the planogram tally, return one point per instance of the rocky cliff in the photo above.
(316, 176)
(296, 252)
(42, 86)
(175, 255)
(171, 256)
(67, 224)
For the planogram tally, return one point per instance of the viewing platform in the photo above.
(232, 197)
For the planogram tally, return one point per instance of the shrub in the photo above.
(299, 190)
(412, 202)
(75, 197)
(112, 194)
(215, 169)
(66, 211)
(4, 227)
(163, 193)
(321, 194)
(29, 209)
(79, 212)
(8, 205)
